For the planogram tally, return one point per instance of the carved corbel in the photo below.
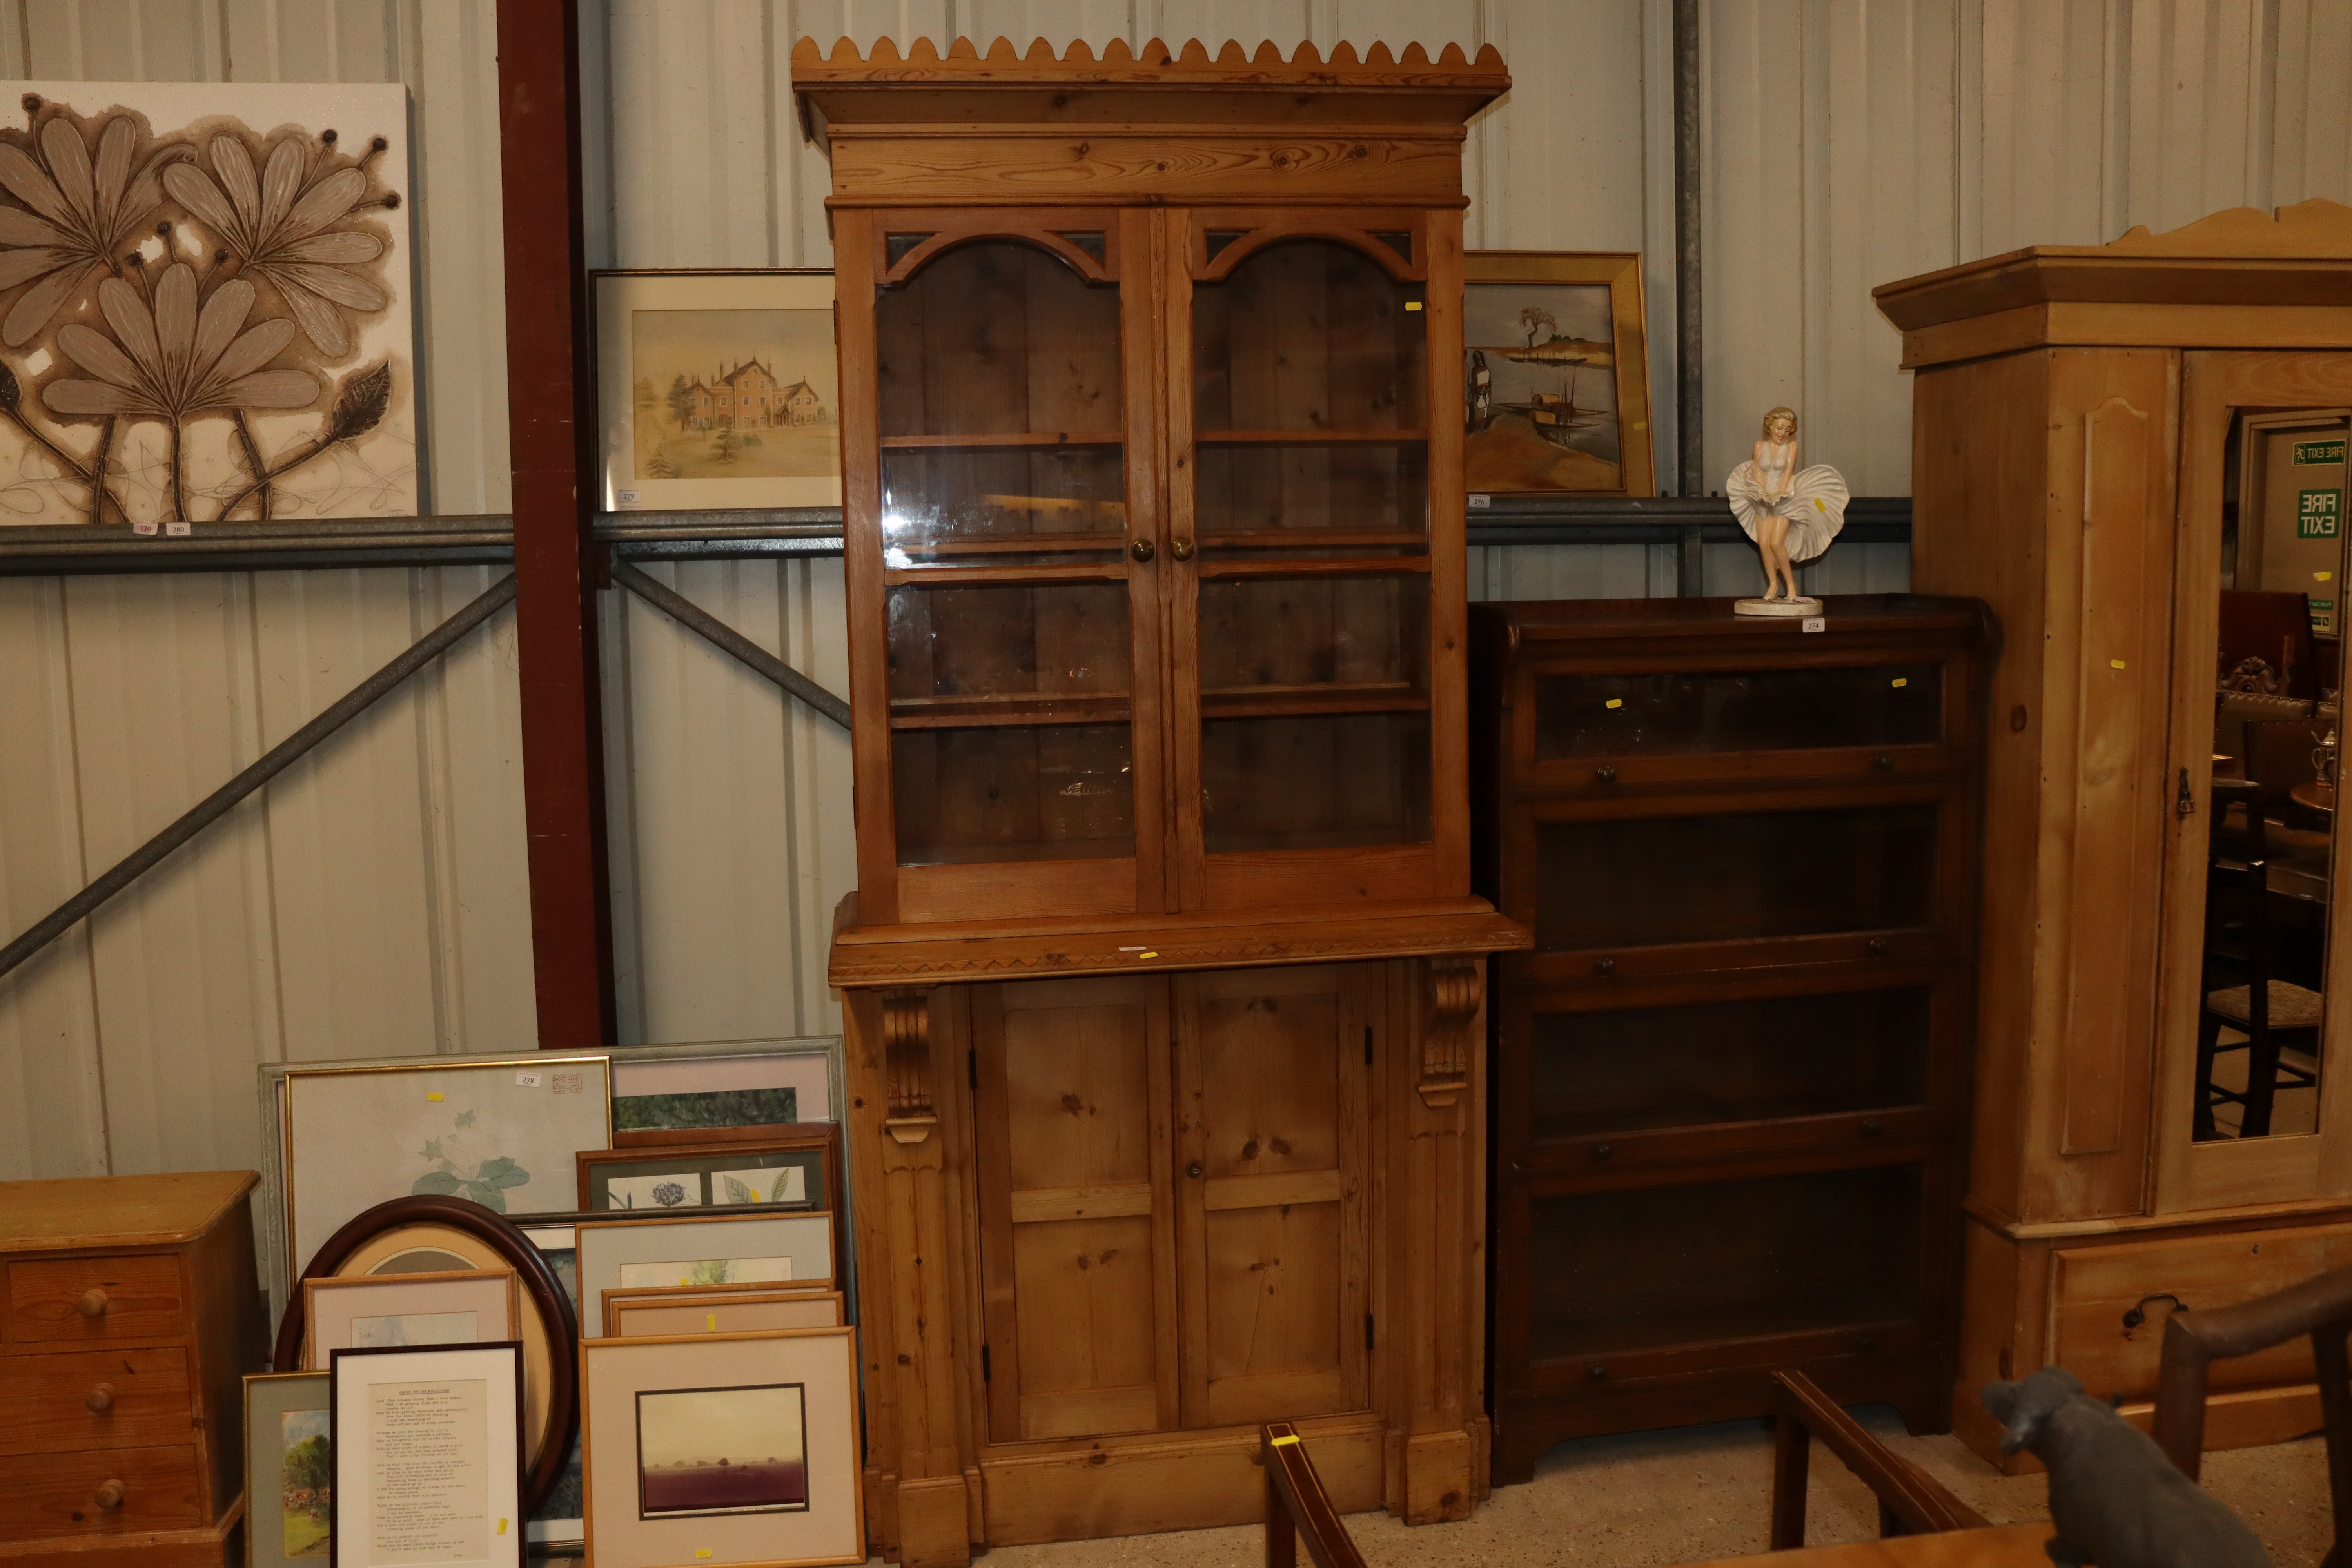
(1456, 987)
(907, 1062)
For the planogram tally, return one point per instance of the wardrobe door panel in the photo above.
(1272, 1085)
(1072, 1081)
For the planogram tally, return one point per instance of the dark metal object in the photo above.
(1909, 1502)
(216, 806)
(727, 639)
(542, 1293)
(559, 566)
(2114, 1498)
(1690, 387)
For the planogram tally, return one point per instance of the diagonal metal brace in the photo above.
(727, 639)
(217, 804)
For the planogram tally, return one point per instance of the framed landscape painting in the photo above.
(717, 390)
(1555, 374)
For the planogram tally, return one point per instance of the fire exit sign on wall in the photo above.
(2311, 454)
(2318, 514)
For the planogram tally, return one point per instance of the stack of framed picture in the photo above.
(438, 1202)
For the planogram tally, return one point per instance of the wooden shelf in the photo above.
(1313, 538)
(1317, 566)
(944, 576)
(1009, 708)
(1113, 540)
(1307, 437)
(1008, 438)
(1335, 698)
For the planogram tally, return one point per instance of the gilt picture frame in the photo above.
(745, 1248)
(717, 388)
(1556, 374)
(446, 1307)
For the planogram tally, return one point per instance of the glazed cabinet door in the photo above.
(1272, 1070)
(1314, 600)
(1076, 1247)
(1001, 515)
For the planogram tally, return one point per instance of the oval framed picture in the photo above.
(436, 1234)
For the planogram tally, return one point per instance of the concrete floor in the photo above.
(1697, 1493)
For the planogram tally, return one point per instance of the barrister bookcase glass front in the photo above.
(1729, 1076)
(1165, 976)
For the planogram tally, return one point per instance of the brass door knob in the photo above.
(1193, 1169)
(1182, 550)
(109, 1496)
(1141, 549)
(93, 1303)
(100, 1400)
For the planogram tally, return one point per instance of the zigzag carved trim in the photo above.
(1154, 62)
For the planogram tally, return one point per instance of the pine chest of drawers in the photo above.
(128, 1318)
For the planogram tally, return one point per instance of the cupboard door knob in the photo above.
(1597, 1373)
(1883, 762)
(1604, 966)
(93, 1303)
(100, 1400)
(1870, 1127)
(1606, 776)
(1602, 1151)
(1182, 549)
(109, 1496)
(1140, 550)
(1878, 947)
(1193, 1169)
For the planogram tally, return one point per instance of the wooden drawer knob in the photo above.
(100, 1400)
(93, 1303)
(109, 1496)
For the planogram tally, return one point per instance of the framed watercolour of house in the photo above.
(717, 390)
(1555, 374)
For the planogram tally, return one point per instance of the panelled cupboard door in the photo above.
(1173, 1219)
(1074, 1199)
(1273, 1080)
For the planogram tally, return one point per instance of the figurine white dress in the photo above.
(1792, 513)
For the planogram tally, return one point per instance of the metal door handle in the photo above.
(1140, 550)
(1182, 549)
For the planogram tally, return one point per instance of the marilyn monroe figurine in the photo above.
(1791, 513)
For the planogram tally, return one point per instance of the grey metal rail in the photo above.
(728, 640)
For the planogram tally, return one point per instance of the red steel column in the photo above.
(557, 565)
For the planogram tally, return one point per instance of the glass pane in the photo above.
(967, 647)
(982, 505)
(1663, 715)
(1749, 1060)
(1059, 792)
(1630, 883)
(1265, 638)
(2270, 835)
(1769, 1255)
(1281, 489)
(1308, 335)
(1315, 783)
(998, 338)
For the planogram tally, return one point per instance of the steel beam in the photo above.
(728, 640)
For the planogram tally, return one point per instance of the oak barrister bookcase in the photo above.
(2081, 419)
(1163, 974)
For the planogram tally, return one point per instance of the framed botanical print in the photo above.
(790, 1167)
(716, 389)
(1555, 374)
(718, 1450)
(740, 1248)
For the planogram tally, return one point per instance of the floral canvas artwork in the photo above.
(204, 305)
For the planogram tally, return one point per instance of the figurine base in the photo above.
(1784, 607)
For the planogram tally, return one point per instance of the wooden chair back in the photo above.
(1298, 1508)
(2320, 1307)
(1909, 1503)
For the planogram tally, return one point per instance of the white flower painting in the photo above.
(205, 310)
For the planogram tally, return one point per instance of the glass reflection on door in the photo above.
(2278, 676)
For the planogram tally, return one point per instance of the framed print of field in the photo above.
(716, 389)
(371, 1311)
(1555, 374)
(714, 1450)
(428, 1456)
(289, 1470)
(500, 1130)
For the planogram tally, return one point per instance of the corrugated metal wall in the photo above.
(373, 902)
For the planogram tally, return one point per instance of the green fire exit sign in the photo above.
(2309, 453)
(2318, 514)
